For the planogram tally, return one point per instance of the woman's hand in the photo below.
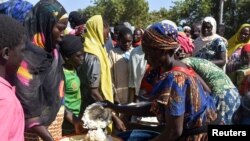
(118, 123)
(78, 124)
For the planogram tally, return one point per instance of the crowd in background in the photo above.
(190, 75)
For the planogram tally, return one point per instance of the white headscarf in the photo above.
(186, 28)
(201, 41)
(212, 21)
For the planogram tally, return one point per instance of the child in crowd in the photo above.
(71, 49)
(12, 42)
(119, 58)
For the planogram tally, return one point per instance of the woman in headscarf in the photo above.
(178, 99)
(242, 116)
(214, 80)
(223, 91)
(40, 77)
(235, 44)
(16, 9)
(209, 45)
(94, 73)
(186, 45)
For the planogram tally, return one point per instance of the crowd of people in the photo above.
(191, 76)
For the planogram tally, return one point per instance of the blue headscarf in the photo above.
(165, 29)
(161, 36)
(16, 9)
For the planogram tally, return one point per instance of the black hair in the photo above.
(70, 44)
(119, 27)
(76, 19)
(138, 29)
(123, 32)
(11, 32)
(105, 22)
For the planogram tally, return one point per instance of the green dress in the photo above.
(214, 76)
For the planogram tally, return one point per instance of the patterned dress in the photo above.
(224, 93)
(211, 51)
(178, 93)
(234, 61)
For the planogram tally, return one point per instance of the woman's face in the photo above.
(126, 42)
(245, 58)
(155, 57)
(245, 34)
(58, 30)
(206, 29)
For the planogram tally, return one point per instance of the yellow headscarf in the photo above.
(234, 42)
(94, 44)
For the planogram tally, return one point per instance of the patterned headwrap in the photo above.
(40, 22)
(185, 43)
(16, 9)
(160, 36)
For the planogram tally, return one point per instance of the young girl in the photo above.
(71, 49)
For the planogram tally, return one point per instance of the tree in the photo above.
(115, 11)
(190, 10)
(236, 14)
(136, 12)
(160, 15)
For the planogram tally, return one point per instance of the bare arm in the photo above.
(222, 60)
(77, 122)
(42, 132)
(95, 94)
(118, 123)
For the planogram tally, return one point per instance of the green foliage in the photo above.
(190, 10)
(115, 11)
(137, 12)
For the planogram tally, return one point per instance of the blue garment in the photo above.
(137, 135)
(177, 94)
(126, 55)
(16, 9)
(212, 49)
(227, 103)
